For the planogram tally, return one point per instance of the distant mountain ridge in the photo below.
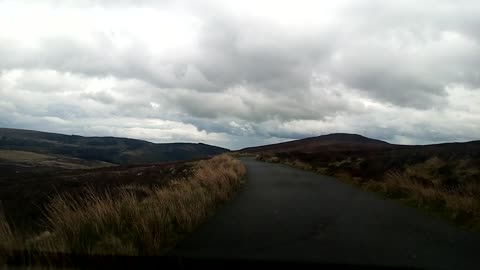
(109, 149)
(345, 145)
(348, 137)
(334, 141)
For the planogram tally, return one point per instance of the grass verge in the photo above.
(459, 203)
(132, 220)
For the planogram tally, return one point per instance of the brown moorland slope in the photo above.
(25, 190)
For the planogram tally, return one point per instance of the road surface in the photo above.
(285, 214)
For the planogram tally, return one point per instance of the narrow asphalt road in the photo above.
(285, 214)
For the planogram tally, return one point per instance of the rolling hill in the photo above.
(354, 143)
(36, 165)
(330, 142)
(107, 149)
(359, 156)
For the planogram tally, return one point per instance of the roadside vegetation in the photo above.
(241, 154)
(131, 219)
(447, 187)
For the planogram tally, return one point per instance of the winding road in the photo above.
(285, 214)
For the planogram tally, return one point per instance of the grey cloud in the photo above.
(406, 54)
(101, 59)
(252, 80)
(241, 51)
(259, 106)
(101, 96)
(65, 111)
(234, 51)
(227, 55)
(393, 80)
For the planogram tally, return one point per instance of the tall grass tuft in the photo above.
(8, 240)
(123, 222)
(461, 203)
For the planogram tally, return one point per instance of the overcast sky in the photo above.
(242, 73)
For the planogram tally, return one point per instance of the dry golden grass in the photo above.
(272, 158)
(241, 154)
(399, 184)
(267, 157)
(7, 238)
(135, 220)
(295, 163)
(461, 203)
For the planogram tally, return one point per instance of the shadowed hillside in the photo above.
(107, 149)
